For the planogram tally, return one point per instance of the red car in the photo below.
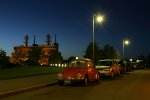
(79, 70)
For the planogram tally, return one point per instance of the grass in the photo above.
(25, 71)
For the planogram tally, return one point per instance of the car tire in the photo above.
(125, 70)
(98, 78)
(61, 83)
(85, 81)
(119, 73)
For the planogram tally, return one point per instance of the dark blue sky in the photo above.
(71, 20)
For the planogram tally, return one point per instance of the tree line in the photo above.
(107, 52)
(4, 60)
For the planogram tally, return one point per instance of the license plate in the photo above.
(67, 82)
(103, 71)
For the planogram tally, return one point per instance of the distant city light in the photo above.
(131, 60)
(59, 65)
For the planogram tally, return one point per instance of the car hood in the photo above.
(102, 67)
(72, 71)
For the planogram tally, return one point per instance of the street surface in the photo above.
(133, 85)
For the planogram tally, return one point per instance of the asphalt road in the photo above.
(131, 86)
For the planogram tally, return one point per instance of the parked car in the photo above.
(79, 70)
(123, 65)
(108, 67)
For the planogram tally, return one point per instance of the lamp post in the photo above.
(99, 19)
(125, 42)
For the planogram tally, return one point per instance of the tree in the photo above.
(110, 52)
(141, 57)
(2, 57)
(148, 61)
(34, 55)
(4, 60)
(2, 53)
(71, 58)
(89, 52)
(55, 57)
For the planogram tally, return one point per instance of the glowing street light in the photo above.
(125, 42)
(99, 19)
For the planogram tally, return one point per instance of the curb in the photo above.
(23, 90)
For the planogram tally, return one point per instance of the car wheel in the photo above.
(61, 83)
(125, 70)
(98, 76)
(119, 73)
(85, 81)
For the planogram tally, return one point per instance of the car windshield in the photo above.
(105, 63)
(77, 63)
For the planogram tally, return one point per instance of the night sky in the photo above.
(71, 21)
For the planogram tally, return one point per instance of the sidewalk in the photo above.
(20, 83)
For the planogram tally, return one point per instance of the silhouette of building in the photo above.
(20, 53)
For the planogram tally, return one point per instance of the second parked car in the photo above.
(109, 67)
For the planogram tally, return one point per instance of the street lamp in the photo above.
(125, 42)
(99, 19)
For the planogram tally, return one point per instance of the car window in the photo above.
(105, 63)
(77, 63)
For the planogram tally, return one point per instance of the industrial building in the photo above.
(20, 53)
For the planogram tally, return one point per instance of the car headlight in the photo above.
(78, 75)
(59, 75)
